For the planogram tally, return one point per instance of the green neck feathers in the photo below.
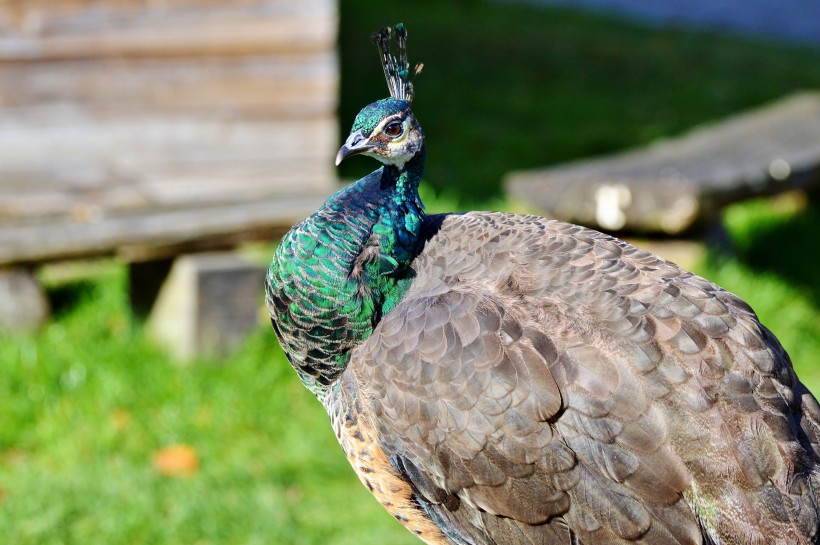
(335, 274)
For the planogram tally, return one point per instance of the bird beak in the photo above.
(355, 144)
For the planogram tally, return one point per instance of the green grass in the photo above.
(87, 402)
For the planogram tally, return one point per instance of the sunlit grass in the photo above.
(88, 401)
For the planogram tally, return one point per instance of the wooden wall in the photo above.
(123, 107)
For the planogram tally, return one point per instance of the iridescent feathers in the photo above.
(373, 114)
(396, 68)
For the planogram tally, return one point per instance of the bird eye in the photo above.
(393, 129)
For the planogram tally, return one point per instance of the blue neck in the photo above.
(402, 212)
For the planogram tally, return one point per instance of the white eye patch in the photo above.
(381, 128)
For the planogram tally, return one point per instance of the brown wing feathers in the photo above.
(544, 382)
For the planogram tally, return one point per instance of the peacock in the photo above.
(507, 379)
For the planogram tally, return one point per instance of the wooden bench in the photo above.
(147, 130)
(674, 185)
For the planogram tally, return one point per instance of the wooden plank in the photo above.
(177, 188)
(675, 184)
(49, 16)
(42, 30)
(130, 144)
(168, 231)
(262, 174)
(103, 168)
(195, 187)
(267, 86)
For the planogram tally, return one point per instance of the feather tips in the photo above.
(396, 67)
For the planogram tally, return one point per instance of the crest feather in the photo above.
(396, 68)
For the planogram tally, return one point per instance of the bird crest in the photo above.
(396, 68)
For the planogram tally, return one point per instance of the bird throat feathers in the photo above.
(337, 273)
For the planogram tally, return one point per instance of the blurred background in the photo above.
(152, 151)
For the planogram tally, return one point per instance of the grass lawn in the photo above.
(88, 402)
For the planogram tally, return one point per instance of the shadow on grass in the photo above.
(66, 296)
(786, 246)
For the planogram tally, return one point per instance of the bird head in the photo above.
(387, 130)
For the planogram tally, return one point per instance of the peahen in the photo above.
(506, 379)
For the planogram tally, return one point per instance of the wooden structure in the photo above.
(147, 129)
(673, 185)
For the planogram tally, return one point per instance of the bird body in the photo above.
(506, 379)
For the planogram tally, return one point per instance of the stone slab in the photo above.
(24, 306)
(207, 305)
